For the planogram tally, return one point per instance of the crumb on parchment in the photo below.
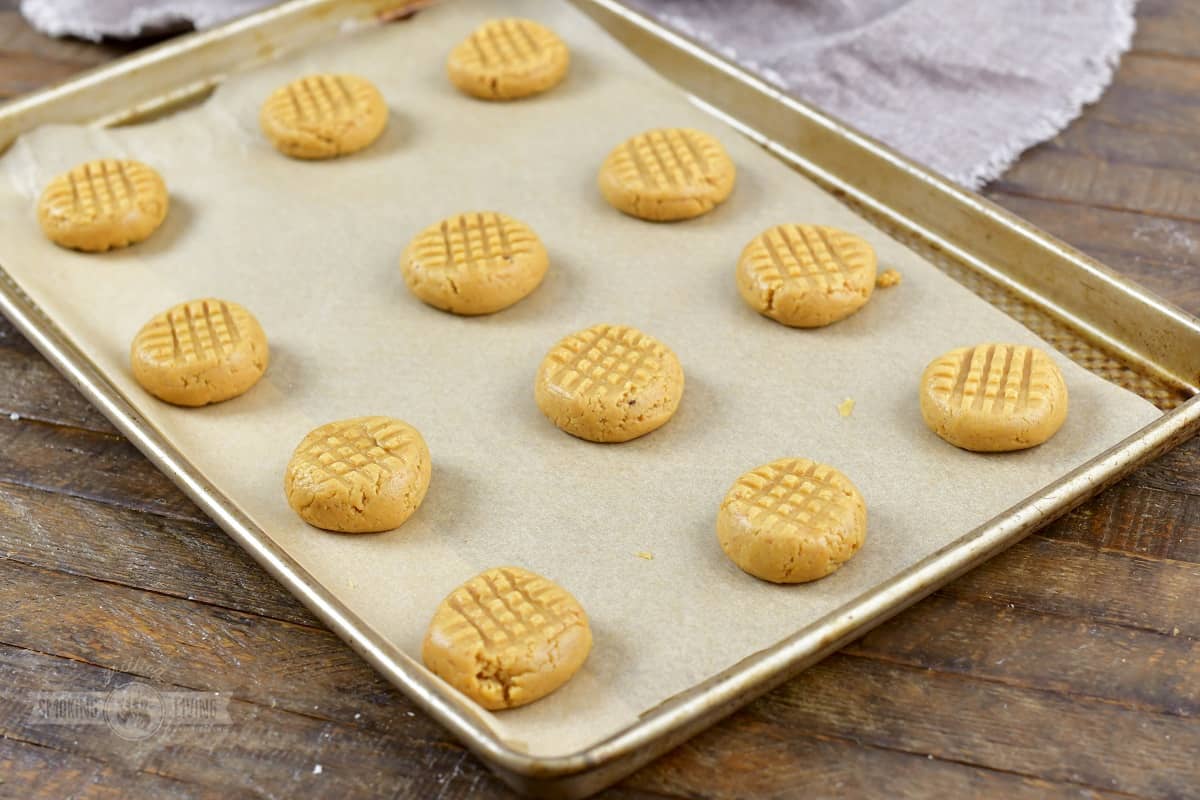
(846, 407)
(887, 279)
(645, 555)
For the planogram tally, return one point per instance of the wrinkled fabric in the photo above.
(127, 19)
(963, 86)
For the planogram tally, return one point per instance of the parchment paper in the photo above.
(312, 249)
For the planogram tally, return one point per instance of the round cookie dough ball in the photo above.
(507, 637)
(200, 352)
(994, 397)
(360, 475)
(474, 263)
(324, 116)
(102, 205)
(806, 276)
(667, 174)
(792, 521)
(609, 383)
(506, 59)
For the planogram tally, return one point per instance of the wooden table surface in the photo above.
(1067, 667)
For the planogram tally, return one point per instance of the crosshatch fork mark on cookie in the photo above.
(203, 329)
(996, 378)
(315, 98)
(506, 608)
(319, 98)
(360, 452)
(599, 359)
(512, 43)
(812, 254)
(467, 242)
(796, 492)
(102, 189)
(666, 159)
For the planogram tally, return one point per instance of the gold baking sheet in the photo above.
(312, 249)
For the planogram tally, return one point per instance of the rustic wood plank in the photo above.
(834, 762)
(23, 72)
(1039, 734)
(191, 560)
(268, 749)
(1080, 658)
(751, 757)
(1176, 473)
(10, 338)
(86, 464)
(1169, 27)
(1137, 520)
(264, 751)
(1152, 93)
(1052, 174)
(293, 667)
(59, 774)
(1084, 582)
(1105, 141)
(18, 37)
(33, 389)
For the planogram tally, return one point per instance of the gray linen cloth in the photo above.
(963, 86)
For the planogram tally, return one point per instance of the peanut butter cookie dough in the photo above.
(609, 383)
(324, 116)
(887, 279)
(994, 397)
(806, 276)
(200, 352)
(667, 174)
(507, 59)
(474, 263)
(792, 521)
(360, 475)
(104, 204)
(507, 637)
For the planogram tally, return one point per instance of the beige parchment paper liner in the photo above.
(312, 249)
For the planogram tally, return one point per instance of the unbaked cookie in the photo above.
(506, 59)
(994, 397)
(103, 204)
(474, 263)
(200, 352)
(324, 116)
(806, 276)
(609, 383)
(507, 637)
(792, 521)
(667, 174)
(360, 475)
